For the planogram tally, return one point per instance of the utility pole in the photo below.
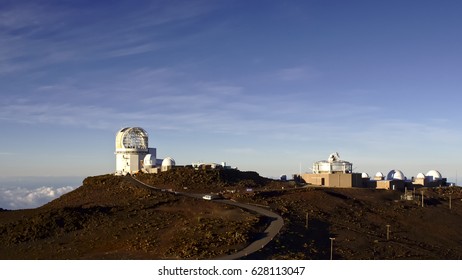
(388, 232)
(421, 192)
(331, 246)
(450, 202)
(306, 223)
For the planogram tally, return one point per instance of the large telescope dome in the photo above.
(434, 175)
(396, 175)
(131, 139)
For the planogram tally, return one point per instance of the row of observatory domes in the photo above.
(432, 175)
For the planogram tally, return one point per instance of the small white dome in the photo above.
(396, 175)
(149, 160)
(365, 176)
(168, 161)
(434, 175)
(379, 174)
(420, 176)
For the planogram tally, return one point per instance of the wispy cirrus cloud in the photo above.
(298, 73)
(134, 49)
(26, 15)
(35, 35)
(170, 99)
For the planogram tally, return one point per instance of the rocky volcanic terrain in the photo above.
(111, 217)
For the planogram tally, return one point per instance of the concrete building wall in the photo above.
(357, 180)
(420, 181)
(341, 180)
(314, 179)
(166, 167)
(426, 182)
(129, 162)
(390, 185)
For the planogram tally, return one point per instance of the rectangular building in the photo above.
(340, 180)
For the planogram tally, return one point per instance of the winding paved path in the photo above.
(271, 231)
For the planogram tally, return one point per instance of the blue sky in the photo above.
(262, 85)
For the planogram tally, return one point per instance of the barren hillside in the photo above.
(110, 218)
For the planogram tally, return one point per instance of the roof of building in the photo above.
(168, 161)
(434, 174)
(396, 175)
(149, 159)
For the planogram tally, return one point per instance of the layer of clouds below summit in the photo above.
(13, 198)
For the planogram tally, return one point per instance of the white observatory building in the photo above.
(432, 178)
(332, 165)
(167, 164)
(132, 152)
(333, 172)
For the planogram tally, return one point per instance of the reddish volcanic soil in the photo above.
(111, 218)
(108, 218)
(358, 219)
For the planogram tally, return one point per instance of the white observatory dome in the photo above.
(131, 139)
(149, 161)
(420, 176)
(434, 175)
(379, 175)
(365, 176)
(168, 161)
(396, 175)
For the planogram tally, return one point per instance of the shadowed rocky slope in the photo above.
(109, 218)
